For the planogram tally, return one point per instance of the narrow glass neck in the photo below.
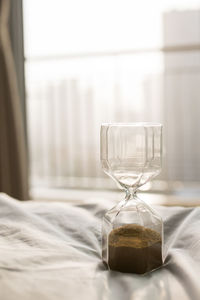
(130, 193)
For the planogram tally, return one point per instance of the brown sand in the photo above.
(134, 249)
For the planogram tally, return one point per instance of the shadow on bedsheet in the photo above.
(165, 283)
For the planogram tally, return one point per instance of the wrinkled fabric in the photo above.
(52, 250)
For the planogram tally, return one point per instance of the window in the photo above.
(89, 62)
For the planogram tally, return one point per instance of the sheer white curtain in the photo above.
(151, 74)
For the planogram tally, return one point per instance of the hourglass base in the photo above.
(132, 237)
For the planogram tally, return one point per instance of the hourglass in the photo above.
(132, 232)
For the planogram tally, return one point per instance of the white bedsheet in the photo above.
(51, 250)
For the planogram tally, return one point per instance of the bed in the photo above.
(52, 250)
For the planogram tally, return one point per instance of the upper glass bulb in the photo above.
(131, 153)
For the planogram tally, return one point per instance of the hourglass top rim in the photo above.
(134, 124)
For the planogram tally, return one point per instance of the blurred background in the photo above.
(88, 62)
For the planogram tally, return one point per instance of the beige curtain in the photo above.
(13, 152)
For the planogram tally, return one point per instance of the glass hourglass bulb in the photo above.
(132, 232)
